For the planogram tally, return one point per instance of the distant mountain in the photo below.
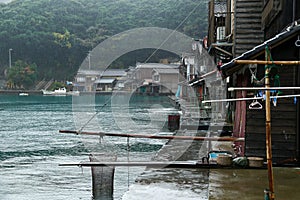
(57, 34)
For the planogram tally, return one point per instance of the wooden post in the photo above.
(268, 127)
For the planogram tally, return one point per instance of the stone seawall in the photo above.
(20, 91)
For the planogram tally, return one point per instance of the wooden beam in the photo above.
(132, 164)
(226, 139)
(154, 164)
(223, 51)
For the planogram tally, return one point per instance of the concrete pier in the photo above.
(208, 184)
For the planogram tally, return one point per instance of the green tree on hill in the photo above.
(21, 75)
(58, 34)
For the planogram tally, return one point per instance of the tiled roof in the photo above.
(108, 72)
(166, 71)
(114, 72)
(105, 80)
(155, 65)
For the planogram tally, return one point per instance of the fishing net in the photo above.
(102, 177)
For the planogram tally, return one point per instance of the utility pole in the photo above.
(9, 57)
(89, 59)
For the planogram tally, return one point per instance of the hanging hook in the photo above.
(297, 43)
(255, 105)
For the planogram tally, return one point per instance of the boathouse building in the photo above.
(253, 29)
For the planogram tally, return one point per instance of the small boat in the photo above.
(23, 94)
(47, 92)
(58, 92)
(73, 93)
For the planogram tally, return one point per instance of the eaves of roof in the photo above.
(229, 68)
(105, 81)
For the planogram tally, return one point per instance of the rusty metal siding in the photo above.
(240, 114)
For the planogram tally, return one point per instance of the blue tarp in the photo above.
(178, 91)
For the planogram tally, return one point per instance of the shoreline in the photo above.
(39, 92)
(20, 91)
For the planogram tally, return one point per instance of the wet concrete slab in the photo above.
(173, 184)
(214, 184)
(157, 191)
(249, 184)
(208, 184)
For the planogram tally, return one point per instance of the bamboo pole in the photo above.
(267, 89)
(267, 62)
(226, 139)
(268, 126)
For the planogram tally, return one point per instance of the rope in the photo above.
(128, 154)
(270, 56)
(254, 79)
(96, 113)
(179, 25)
(253, 71)
(270, 67)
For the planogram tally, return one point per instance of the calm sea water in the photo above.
(31, 147)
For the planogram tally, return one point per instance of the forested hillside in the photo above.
(57, 34)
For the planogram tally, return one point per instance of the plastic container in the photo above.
(224, 160)
(255, 161)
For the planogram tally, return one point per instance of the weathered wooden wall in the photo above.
(284, 122)
(283, 13)
(248, 29)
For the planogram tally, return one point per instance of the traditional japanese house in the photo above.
(84, 80)
(105, 84)
(201, 81)
(110, 79)
(153, 78)
(166, 80)
(101, 80)
(282, 42)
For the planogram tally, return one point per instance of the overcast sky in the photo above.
(5, 1)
